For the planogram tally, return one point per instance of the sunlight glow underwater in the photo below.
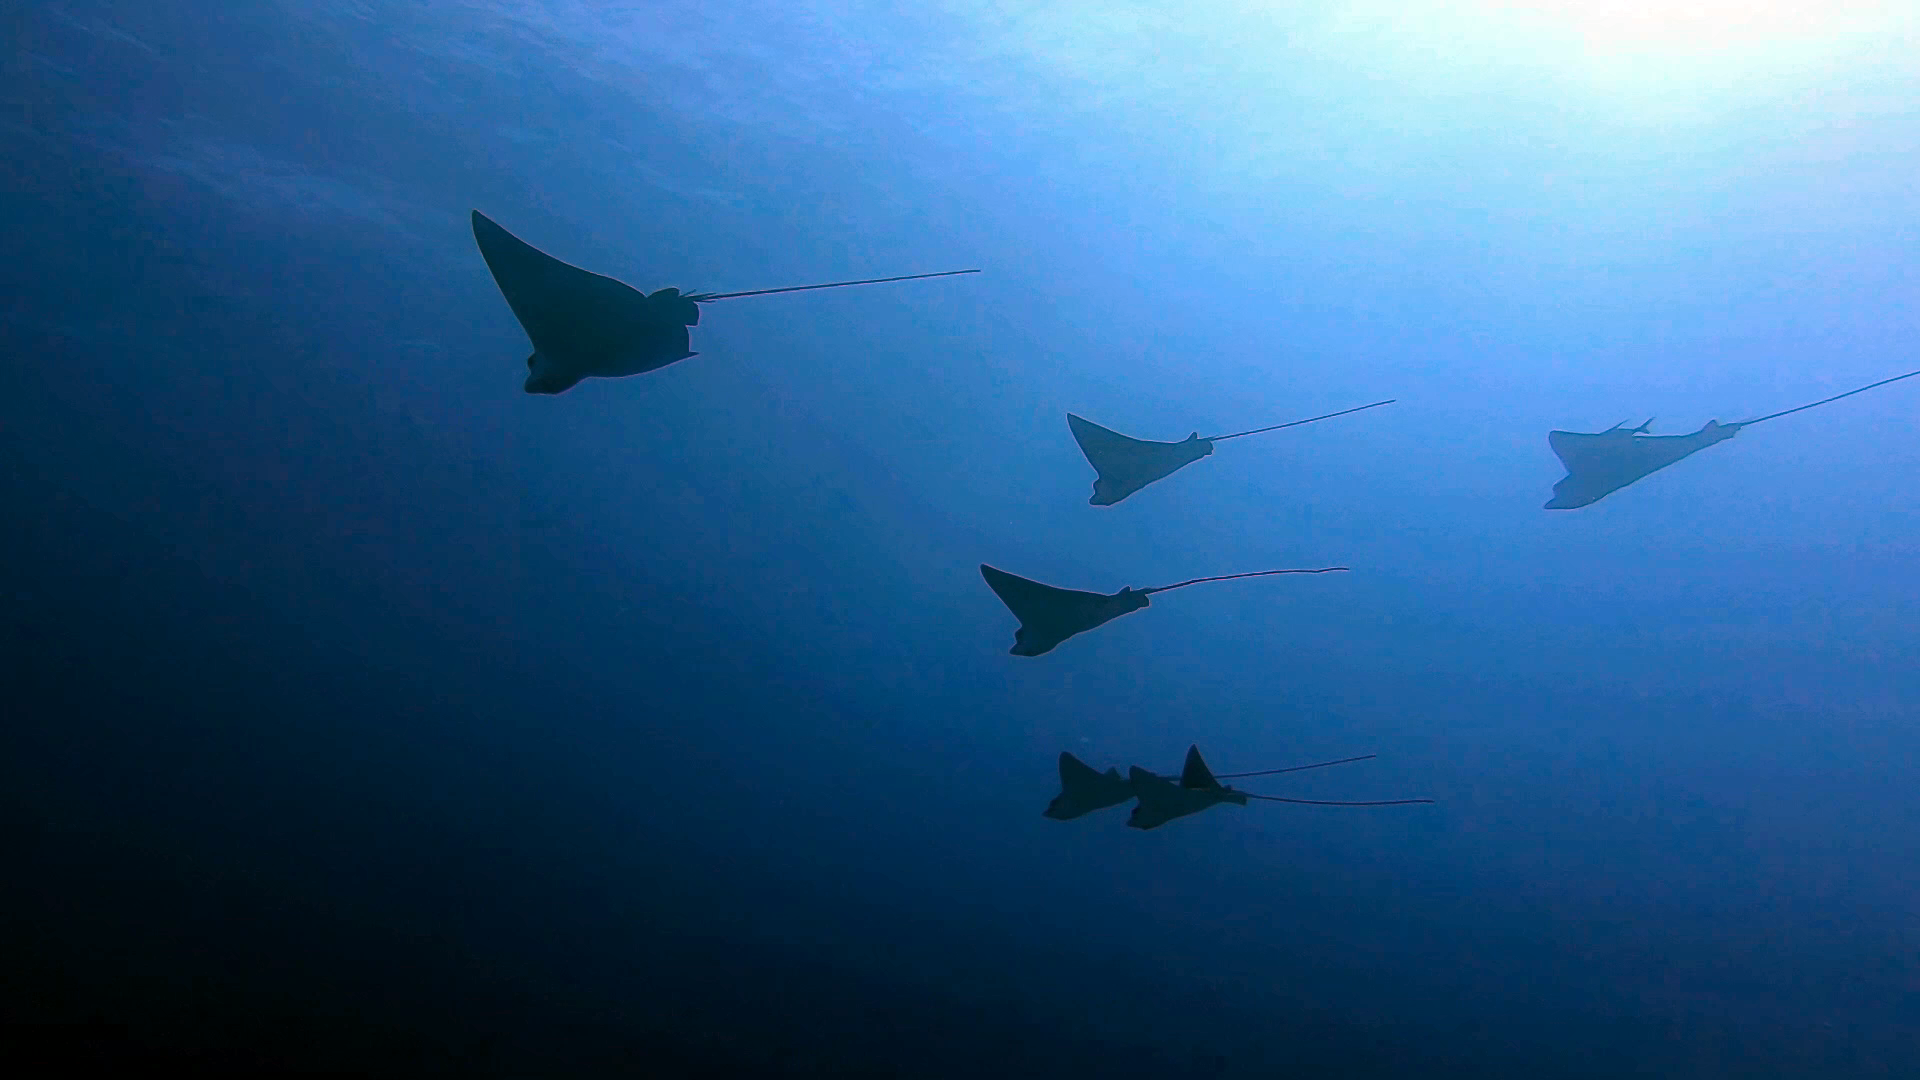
(1706, 25)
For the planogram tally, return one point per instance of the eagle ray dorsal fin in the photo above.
(1194, 773)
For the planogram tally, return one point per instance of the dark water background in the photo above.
(367, 714)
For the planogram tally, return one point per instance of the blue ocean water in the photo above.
(371, 715)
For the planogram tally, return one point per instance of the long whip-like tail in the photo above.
(1324, 802)
(1231, 577)
(1825, 401)
(1295, 768)
(702, 298)
(1297, 423)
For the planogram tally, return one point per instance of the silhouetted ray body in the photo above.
(582, 325)
(1082, 790)
(1125, 464)
(586, 326)
(1601, 463)
(1161, 800)
(1050, 615)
